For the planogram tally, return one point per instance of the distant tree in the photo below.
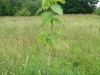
(4, 8)
(32, 5)
(11, 7)
(97, 11)
(19, 5)
(79, 6)
(16, 5)
(23, 12)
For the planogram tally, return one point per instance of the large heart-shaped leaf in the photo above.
(47, 17)
(57, 9)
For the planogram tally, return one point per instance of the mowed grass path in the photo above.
(76, 53)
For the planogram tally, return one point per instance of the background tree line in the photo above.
(30, 7)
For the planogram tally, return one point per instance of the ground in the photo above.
(77, 51)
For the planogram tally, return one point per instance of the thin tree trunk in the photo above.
(49, 54)
(48, 63)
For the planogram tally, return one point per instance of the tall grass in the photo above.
(76, 53)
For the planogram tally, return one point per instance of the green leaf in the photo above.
(64, 18)
(57, 9)
(50, 39)
(62, 1)
(50, 36)
(43, 2)
(58, 31)
(41, 38)
(57, 21)
(47, 17)
(39, 10)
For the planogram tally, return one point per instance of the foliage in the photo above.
(10, 7)
(48, 17)
(16, 5)
(97, 11)
(23, 12)
(50, 7)
(4, 8)
(79, 6)
(32, 5)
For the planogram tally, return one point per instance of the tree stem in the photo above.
(48, 63)
(52, 26)
(49, 54)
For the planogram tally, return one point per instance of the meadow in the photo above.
(76, 53)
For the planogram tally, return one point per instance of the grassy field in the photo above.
(76, 53)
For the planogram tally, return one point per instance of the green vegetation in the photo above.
(19, 7)
(23, 12)
(78, 52)
(79, 6)
(97, 11)
(11, 7)
(48, 38)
